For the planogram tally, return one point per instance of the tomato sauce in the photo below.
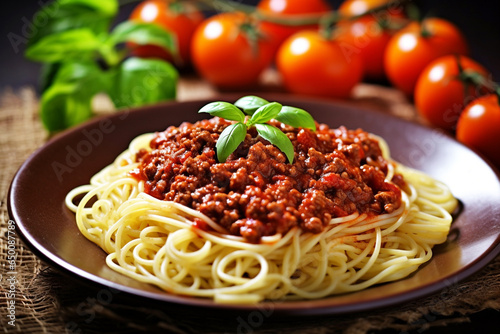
(257, 192)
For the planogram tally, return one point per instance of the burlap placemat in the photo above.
(41, 300)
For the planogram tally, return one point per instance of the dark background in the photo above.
(479, 21)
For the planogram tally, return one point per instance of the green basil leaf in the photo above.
(249, 104)
(277, 138)
(71, 44)
(138, 82)
(67, 101)
(47, 75)
(224, 110)
(58, 18)
(144, 34)
(229, 140)
(265, 113)
(63, 105)
(75, 71)
(106, 7)
(86, 74)
(296, 117)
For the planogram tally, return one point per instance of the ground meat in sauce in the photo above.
(257, 192)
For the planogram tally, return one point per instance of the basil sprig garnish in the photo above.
(84, 55)
(258, 112)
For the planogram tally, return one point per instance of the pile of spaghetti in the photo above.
(342, 217)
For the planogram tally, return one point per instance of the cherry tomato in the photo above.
(279, 32)
(227, 51)
(179, 18)
(312, 65)
(368, 38)
(370, 34)
(358, 7)
(479, 127)
(415, 46)
(440, 92)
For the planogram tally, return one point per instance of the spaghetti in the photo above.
(160, 242)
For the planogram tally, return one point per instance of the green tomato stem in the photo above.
(478, 80)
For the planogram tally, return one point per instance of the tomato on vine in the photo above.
(279, 32)
(311, 64)
(179, 18)
(415, 46)
(369, 38)
(479, 127)
(445, 86)
(229, 50)
(369, 34)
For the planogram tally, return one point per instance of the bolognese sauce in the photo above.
(257, 192)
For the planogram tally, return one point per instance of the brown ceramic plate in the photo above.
(36, 201)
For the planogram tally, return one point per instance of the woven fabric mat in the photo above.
(45, 301)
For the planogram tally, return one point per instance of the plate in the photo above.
(37, 192)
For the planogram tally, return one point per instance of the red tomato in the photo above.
(279, 32)
(370, 34)
(224, 52)
(312, 65)
(440, 94)
(415, 46)
(368, 38)
(479, 127)
(179, 18)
